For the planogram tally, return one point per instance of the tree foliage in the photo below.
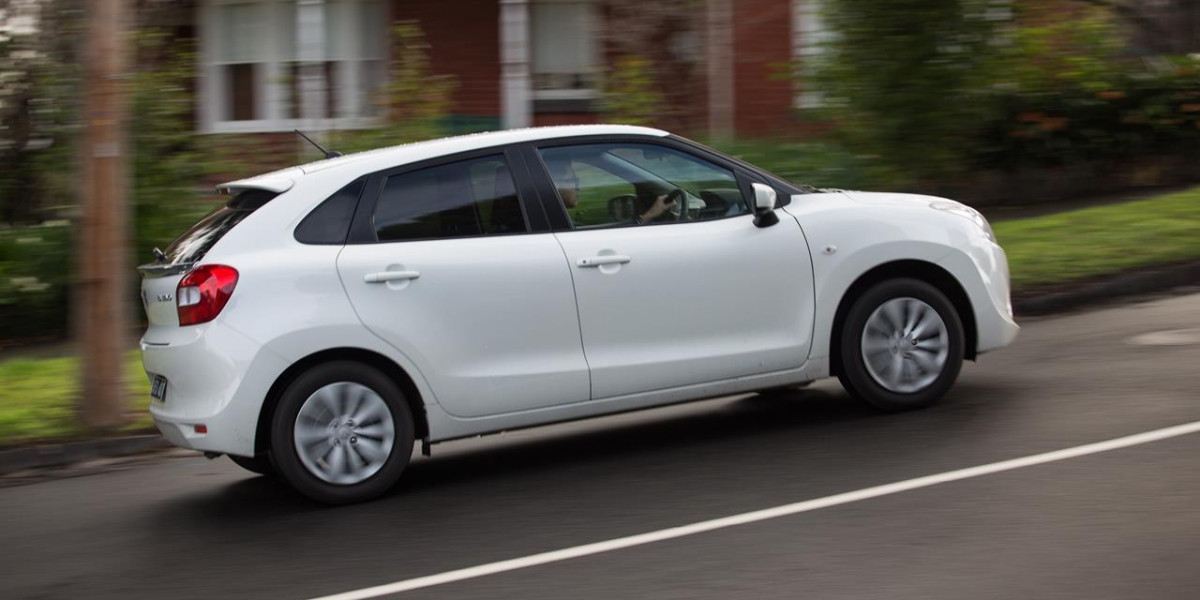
(169, 159)
(904, 78)
(416, 102)
(631, 96)
(664, 47)
(940, 88)
(39, 104)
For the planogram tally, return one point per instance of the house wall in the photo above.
(247, 154)
(762, 41)
(464, 40)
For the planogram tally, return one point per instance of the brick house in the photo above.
(275, 65)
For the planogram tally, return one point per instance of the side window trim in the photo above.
(362, 229)
(535, 210)
(557, 211)
(547, 194)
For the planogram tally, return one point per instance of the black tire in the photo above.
(283, 450)
(260, 464)
(854, 374)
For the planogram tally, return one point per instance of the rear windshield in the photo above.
(193, 245)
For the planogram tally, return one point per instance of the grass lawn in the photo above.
(37, 395)
(1052, 249)
(37, 399)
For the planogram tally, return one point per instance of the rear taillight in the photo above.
(203, 292)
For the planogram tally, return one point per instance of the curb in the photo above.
(1088, 293)
(1113, 287)
(59, 455)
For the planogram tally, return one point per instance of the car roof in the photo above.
(383, 158)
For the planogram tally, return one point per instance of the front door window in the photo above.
(615, 185)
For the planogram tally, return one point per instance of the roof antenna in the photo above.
(327, 153)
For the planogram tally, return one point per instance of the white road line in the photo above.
(762, 515)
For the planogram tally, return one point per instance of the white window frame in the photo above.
(808, 34)
(270, 101)
(593, 22)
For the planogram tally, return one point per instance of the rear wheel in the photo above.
(342, 433)
(901, 345)
(260, 464)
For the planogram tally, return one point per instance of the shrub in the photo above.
(938, 90)
(822, 165)
(902, 79)
(416, 102)
(169, 159)
(35, 266)
(630, 94)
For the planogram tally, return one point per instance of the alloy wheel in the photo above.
(344, 433)
(905, 345)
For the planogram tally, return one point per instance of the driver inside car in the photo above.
(660, 207)
(567, 183)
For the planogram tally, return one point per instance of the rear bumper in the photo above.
(216, 377)
(223, 435)
(185, 436)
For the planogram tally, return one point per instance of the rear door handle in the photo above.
(386, 276)
(606, 259)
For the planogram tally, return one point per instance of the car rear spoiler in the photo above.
(272, 183)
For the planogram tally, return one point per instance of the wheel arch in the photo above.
(920, 270)
(385, 365)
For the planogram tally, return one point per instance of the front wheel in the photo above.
(901, 345)
(342, 433)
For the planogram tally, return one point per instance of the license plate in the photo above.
(158, 388)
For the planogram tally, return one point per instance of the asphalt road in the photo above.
(1118, 524)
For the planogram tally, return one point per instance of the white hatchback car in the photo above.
(329, 315)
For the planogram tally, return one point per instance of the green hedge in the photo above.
(1135, 116)
(35, 267)
(939, 91)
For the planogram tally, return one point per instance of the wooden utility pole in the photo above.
(100, 307)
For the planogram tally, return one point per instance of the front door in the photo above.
(456, 282)
(675, 284)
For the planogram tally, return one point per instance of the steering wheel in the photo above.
(680, 197)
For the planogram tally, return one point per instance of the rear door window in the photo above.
(474, 197)
(197, 241)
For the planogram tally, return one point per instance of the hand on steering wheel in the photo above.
(669, 203)
(678, 200)
(664, 204)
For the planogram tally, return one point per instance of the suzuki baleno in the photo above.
(328, 316)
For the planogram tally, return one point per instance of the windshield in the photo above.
(795, 186)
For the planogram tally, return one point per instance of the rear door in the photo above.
(447, 264)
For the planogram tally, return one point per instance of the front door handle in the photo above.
(605, 259)
(386, 276)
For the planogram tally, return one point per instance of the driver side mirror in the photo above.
(764, 205)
